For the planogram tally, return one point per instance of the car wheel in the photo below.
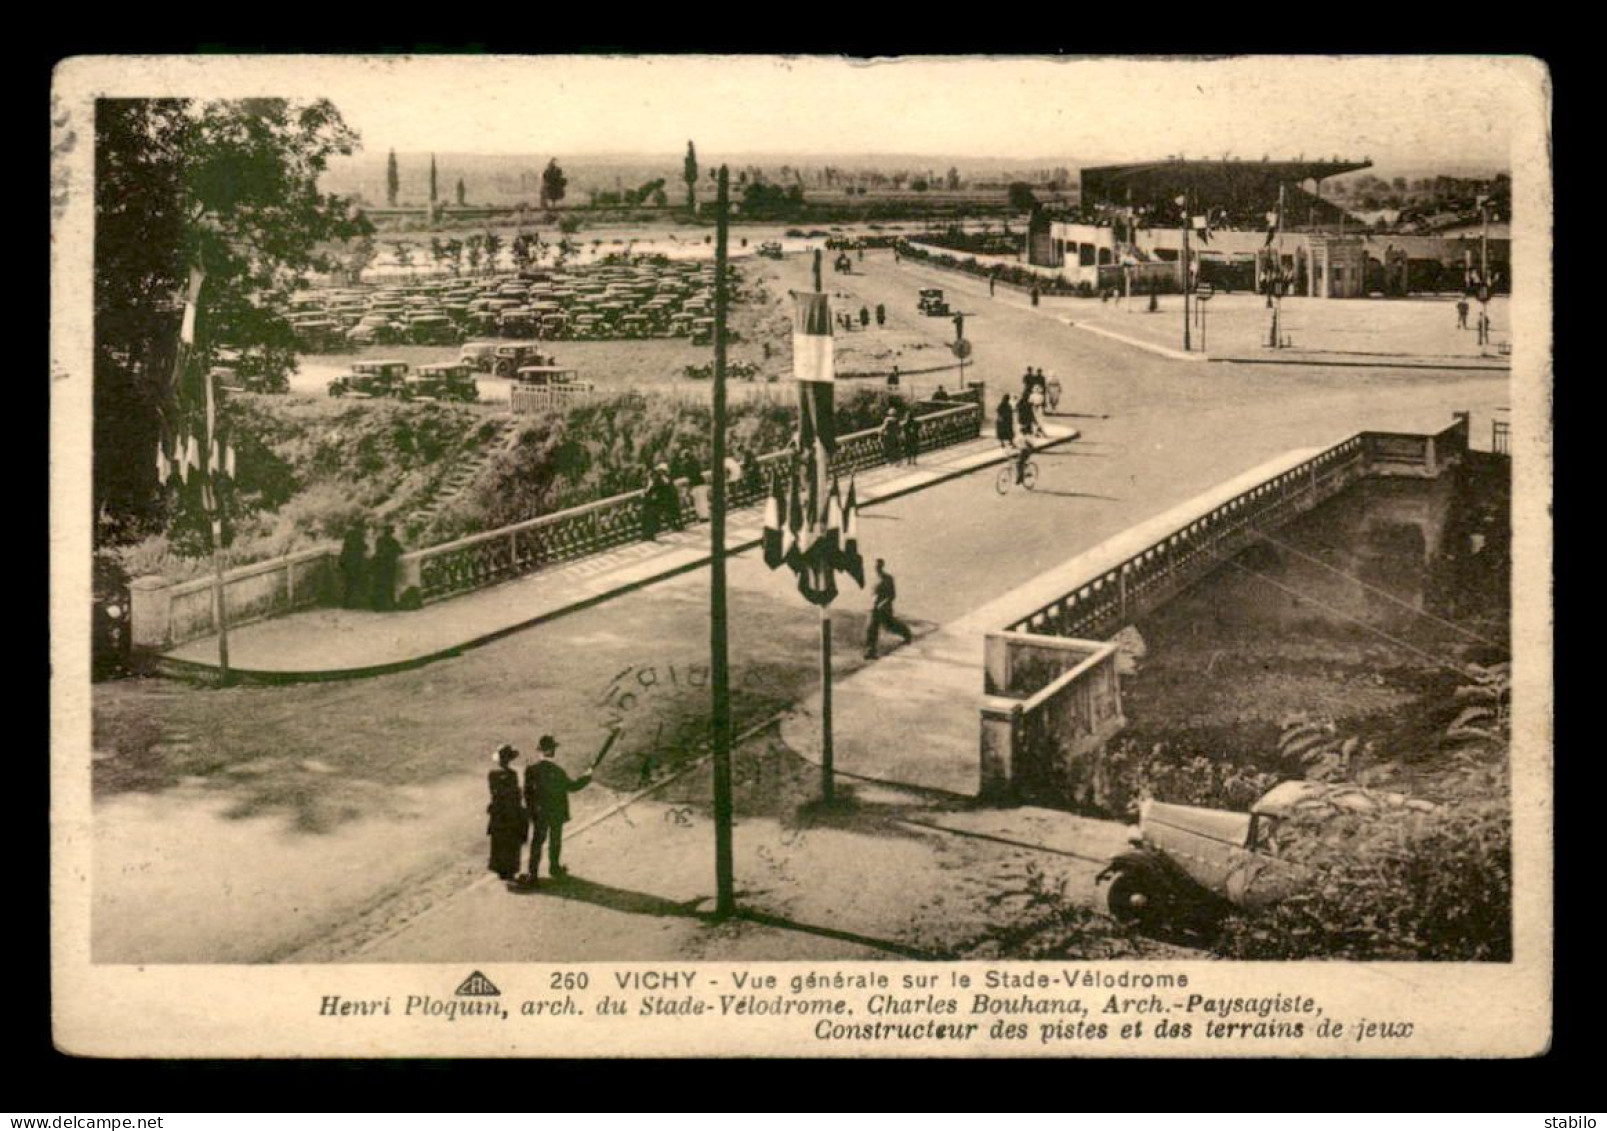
(1132, 898)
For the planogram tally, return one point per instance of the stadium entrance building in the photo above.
(1128, 231)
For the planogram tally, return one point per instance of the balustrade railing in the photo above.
(1100, 606)
(499, 555)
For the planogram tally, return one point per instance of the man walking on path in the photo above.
(547, 790)
(1461, 314)
(881, 611)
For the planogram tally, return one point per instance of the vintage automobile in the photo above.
(377, 330)
(770, 250)
(932, 302)
(1189, 861)
(431, 330)
(478, 355)
(510, 357)
(386, 378)
(442, 383)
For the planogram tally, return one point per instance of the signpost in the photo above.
(1202, 295)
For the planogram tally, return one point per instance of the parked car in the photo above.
(372, 379)
(1188, 860)
(478, 355)
(431, 330)
(510, 357)
(442, 383)
(377, 330)
(932, 302)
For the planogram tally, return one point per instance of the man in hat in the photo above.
(547, 790)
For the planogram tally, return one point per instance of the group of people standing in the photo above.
(536, 813)
(1023, 416)
(368, 579)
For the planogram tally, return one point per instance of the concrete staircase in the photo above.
(464, 473)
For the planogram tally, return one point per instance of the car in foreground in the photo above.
(385, 378)
(1188, 861)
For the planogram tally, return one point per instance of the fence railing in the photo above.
(1117, 595)
(163, 613)
(525, 399)
(478, 560)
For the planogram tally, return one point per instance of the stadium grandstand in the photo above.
(1129, 231)
(1235, 194)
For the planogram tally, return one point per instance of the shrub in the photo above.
(1395, 884)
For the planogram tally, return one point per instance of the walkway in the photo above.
(328, 643)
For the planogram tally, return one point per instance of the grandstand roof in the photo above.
(1149, 178)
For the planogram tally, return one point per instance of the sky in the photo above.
(1417, 109)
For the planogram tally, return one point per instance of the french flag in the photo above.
(812, 366)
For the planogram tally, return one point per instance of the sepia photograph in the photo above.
(737, 555)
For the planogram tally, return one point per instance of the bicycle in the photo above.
(1007, 476)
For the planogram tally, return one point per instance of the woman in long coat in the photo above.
(508, 823)
(1004, 423)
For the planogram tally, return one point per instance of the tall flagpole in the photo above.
(1187, 220)
(214, 507)
(719, 660)
(828, 786)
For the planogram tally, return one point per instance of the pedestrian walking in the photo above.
(1036, 400)
(912, 437)
(507, 824)
(881, 314)
(354, 566)
(993, 281)
(1461, 314)
(546, 793)
(1004, 423)
(387, 555)
(881, 611)
(1026, 422)
(864, 316)
(1035, 294)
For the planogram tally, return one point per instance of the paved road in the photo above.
(262, 819)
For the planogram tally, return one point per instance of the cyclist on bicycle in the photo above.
(1023, 456)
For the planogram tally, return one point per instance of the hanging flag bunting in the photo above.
(812, 366)
(774, 553)
(1202, 228)
(849, 560)
(790, 550)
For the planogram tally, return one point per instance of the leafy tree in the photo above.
(437, 251)
(475, 244)
(953, 179)
(1021, 197)
(553, 183)
(462, 192)
(454, 255)
(360, 255)
(519, 250)
(919, 184)
(493, 248)
(393, 180)
(433, 195)
(233, 186)
(689, 175)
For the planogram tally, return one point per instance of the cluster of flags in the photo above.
(815, 540)
(813, 532)
(194, 447)
(180, 457)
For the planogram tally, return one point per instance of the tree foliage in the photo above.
(689, 175)
(553, 183)
(393, 180)
(232, 186)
